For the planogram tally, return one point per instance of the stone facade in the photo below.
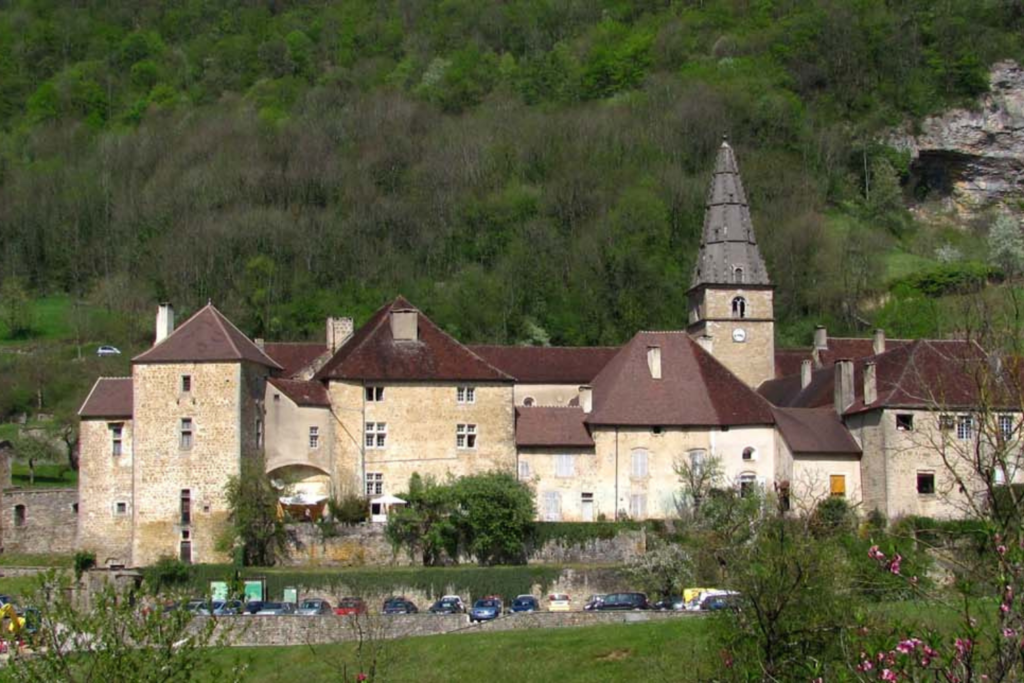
(743, 342)
(105, 490)
(40, 521)
(289, 453)
(224, 403)
(420, 421)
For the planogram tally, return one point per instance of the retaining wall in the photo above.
(252, 631)
(49, 524)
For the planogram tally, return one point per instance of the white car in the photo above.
(108, 351)
(559, 602)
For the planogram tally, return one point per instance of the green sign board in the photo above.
(291, 594)
(218, 590)
(254, 589)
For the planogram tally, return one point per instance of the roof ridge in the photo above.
(88, 396)
(220, 323)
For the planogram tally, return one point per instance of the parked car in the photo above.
(624, 601)
(252, 607)
(313, 607)
(219, 608)
(108, 351)
(399, 606)
(195, 605)
(448, 604)
(718, 600)
(224, 608)
(524, 603)
(559, 602)
(350, 606)
(276, 609)
(4, 599)
(485, 609)
(692, 596)
(592, 602)
(671, 603)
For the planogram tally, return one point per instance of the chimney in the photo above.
(404, 323)
(705, 341)
(870, 382)
(260, 343)
(805, 373)
(878, 342)
(820, 337)
(843, 389)
(586, 398)
(654, 361)
(164, 322)
(338, 332)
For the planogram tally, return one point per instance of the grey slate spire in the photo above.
(728, 249)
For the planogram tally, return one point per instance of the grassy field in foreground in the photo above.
(654, 651)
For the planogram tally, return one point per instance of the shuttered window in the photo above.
(837, 485)
(639, 464)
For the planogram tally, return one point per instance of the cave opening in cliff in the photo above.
(934, 174)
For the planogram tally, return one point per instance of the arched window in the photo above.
(528, 401)
(737, 275)
(750, 453)
(739, 307)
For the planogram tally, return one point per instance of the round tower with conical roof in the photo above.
(730, 297)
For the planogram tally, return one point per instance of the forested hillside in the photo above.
(527, 170)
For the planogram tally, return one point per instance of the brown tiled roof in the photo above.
(554, 427)
(817, 430)
(294, 357)
(548, 364)
(840, 348)
(695, 389)
(303, 393)
(786, 391)
(109, 397)
(788, 361)
(206, 337)
(373, 354)
(928, 373)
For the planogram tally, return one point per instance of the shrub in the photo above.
(84, 561)
(351, 509)
(831, 517)
(166, 573)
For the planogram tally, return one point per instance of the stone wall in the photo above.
(105, 485)
(295, 630)
(365, 545)
(49, 523)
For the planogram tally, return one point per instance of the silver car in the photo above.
(313, 607)
(276, 609)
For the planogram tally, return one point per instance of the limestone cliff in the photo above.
(972, 159)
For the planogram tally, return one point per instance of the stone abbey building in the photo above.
(598, 432)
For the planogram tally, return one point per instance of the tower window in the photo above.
(737, 275)
(739, 307)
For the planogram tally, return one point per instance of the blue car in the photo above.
(485, 610)
(525, 603)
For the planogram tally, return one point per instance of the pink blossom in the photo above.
(888, 675)
(894, 566)
(963, 646)
(875, 554)
(1009, 633)
(361, 677)
(1004, 608)
(866, 665)
(1001, 549)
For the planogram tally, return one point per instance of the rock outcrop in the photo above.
(972, 160)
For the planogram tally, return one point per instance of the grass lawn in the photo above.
(8, 430)
(51, 319)
(34, 560)
(47, 476)
(20, 587)
(650, 651)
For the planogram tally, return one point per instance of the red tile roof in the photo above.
(373, 354)
(786, 391)
(293, 357)
(552, 427)
(109, 397)
(695, 389)
(206, 337)
(548, 364)
(840, 348)
(788, 361)
(303, 393)
(815, 430)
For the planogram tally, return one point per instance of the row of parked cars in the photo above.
(484, 609)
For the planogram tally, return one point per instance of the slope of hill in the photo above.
(528, 170)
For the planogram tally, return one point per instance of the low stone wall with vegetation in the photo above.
(250, 631)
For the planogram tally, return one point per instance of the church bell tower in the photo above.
(730, 297)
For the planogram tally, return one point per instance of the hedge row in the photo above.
(434, 581)
(581, 533)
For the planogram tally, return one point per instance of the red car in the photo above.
(350, 606)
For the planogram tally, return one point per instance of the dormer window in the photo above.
(739, 307)
(737, 275)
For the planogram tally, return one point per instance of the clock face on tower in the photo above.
(739, 335)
